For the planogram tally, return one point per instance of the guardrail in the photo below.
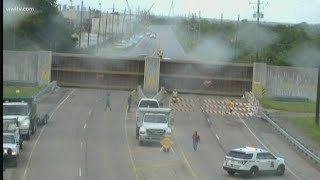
(254, 102)
(290, 138)
(160, 95)
(49, 87)
(140, 93)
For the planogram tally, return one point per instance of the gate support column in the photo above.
(259, 79)
(151, 76)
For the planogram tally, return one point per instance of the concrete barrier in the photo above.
(28, 66)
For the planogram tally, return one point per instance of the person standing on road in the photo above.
(231, 106)
(129, 101)
(108, 101)
(195, 140)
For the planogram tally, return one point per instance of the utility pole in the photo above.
(80, 25)
(118, 24)
(89, 28)
(112, 21)
(258, 36)
(199, 26)
(14, 36)
(236, 39)
(105, 29)
(318, 98)
(130, 31)
(109, 24)
(99, 28)
(124, 16)
(221, 18)
(258, 15)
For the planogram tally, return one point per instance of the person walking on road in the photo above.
(231, 106)
(195, 140)
(108, 101)
(129, 101)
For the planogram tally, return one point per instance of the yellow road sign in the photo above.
(167, 143)
(151, 81)
(45, 75)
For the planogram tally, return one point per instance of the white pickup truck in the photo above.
(144, 103)
(153, 124)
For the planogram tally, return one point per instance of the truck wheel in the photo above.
(34, 129)
(141, 143)
(137, 132)
(28, 135)
(15, 163)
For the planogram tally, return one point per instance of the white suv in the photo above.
(250, 161)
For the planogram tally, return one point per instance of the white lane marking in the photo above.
(35, 144)
(80, 172)
(265, 146)
(81, 144)
(217, 137)
(61, 103)
(85, 125)
(90, 111)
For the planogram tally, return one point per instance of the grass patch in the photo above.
(24, 91)
(308, 126)
(268, 103)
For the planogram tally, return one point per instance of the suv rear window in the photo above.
(240, 155)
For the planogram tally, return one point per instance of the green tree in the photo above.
(44, 28)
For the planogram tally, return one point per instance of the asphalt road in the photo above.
(83, 141)
(165, 41)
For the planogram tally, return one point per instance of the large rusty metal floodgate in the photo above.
(127, 73)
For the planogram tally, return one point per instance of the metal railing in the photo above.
(160, 95)
(140, 93)
(49, 88)
(290, 138)
(254, 102)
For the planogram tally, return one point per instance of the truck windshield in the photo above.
(15, 110)
(155, 119)
(148, 104)
(8, 139)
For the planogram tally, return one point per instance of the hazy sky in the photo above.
(292, 11)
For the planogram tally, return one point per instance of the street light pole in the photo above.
(257, 33)
(89, 27)
(80, 24)
(99, 28)
(112, 21)
(318, 98)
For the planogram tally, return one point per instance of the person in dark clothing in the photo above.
(108, 101)
(129, 101)
(195, 140)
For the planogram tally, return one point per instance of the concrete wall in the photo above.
(292, 81)
(31, 66)
(285, 81)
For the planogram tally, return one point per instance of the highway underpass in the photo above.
(82, 141)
